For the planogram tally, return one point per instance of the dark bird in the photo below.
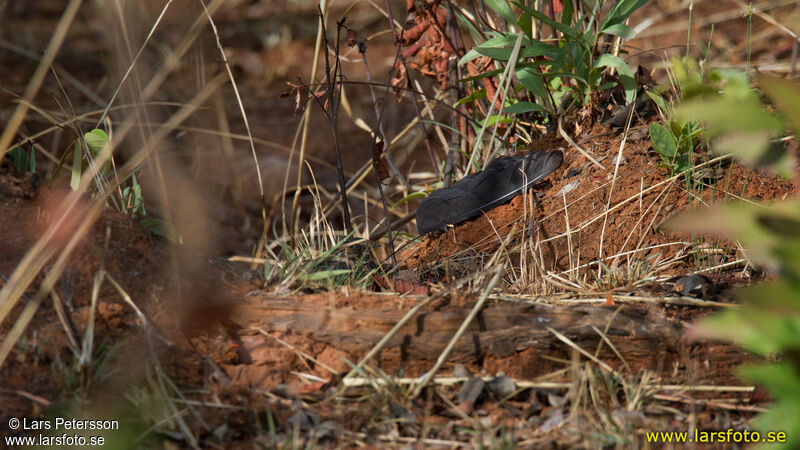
(501, 180)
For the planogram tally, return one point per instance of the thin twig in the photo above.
(333, 113)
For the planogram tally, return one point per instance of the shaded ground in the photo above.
(238, 345)
(242, 359)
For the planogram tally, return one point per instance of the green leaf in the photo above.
(502, 8)
(728, 113)
(782, 381)
(493, 119)
(161, 227)
(755, 329)
(786, 95)
(324, 274)
(77, 161)
(476, 95)
(525, 23)
(496, 53)
(408, 198)
(621, 30)
(18, 157)
(96, 140)
(756, 150)
(566, 13)
(745, 222)
(565, 29)
(498, 41)
(664, 141)
(675, 127)
(626, 77)
(621, 11)
(523, 107)
(532, 81)
(529, 50)
(32, 161)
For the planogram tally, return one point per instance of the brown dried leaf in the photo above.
(380, 166)
(351, 37)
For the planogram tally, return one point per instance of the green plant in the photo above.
(22, 160)
(734, 117)
(321, 263)
(78, 378)
(132, 200)
(768, 321)
(548, 71)
(675, 143)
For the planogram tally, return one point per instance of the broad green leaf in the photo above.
(780, 377)
(96, 140)
(566, 13)
(676, 127)
(605, 86)
(745, 222)
(496, 53)
(532, 82)
(782, 381)
(663, 140)
(525, 23)
(493, 119)
(756, 150)
(786, 95)
(502, 8)
(625, 73)
(523, 107)
(621, 30)
(161, 227)
(759, 328)
(726, 114)
(497, 41)
(531, 50)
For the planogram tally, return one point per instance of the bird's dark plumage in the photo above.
(501, 180)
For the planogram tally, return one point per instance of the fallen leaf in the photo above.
(379, 165)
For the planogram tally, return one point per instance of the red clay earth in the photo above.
(230, 362)
(233, 341)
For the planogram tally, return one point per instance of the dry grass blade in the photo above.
(42, 251)
(323, 7)
(575, 144)
(472, 314)
(388, 336)
(133, 63)
(575, 346)
(35, 83)
(241, 112)
(505, 79)
(618, 160)
(299, 352)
